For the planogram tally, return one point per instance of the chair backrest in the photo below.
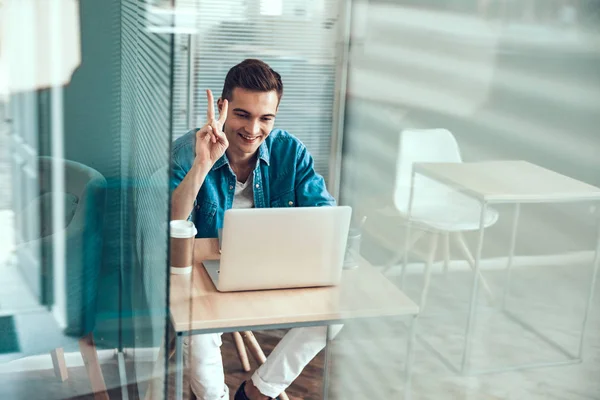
(422, 145)
(84, 239)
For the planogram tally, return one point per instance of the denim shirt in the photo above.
(284, 177)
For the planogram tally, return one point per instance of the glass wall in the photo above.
(468, 151)
(146, 117)
(515, 83)
(84, 200)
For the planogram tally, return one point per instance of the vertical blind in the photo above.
(146, 101)
(297, 38)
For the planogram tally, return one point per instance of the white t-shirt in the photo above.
(243, 196)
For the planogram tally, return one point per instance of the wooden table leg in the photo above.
(87, 347)
(59, 364)
(258, 354)
(241, 350)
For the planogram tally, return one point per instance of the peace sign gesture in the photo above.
(211, 142)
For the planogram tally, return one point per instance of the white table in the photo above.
(514, 182)
(197, 307)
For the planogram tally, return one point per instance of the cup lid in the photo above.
(182, 229)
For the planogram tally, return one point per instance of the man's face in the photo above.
(250, 119)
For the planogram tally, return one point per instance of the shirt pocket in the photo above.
(205, 212)
(286, 199)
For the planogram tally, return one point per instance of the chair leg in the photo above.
(258, 354)
(87, 347)
(430, 259)
(241, 350)
(415, 237)
(59, 364)
(446, 253)
(462, 246)
(254, 347)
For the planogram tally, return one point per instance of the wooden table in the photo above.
(196, 307)
(514, 182)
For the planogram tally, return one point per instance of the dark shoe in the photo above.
(240, 394)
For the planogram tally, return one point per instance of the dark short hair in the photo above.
(254, 75)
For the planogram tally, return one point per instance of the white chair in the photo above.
(437, 209)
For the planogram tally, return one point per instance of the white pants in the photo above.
(287, 360)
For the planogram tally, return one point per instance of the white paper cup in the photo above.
(182, 246)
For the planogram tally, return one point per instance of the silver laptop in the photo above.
(277, 248)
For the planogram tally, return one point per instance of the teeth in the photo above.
(248, 137)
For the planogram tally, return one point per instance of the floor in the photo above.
(42, 384)
(550, 299)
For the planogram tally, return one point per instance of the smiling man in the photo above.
(240, 161)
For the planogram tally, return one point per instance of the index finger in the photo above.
(210, 110)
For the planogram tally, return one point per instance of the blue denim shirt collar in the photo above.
(220, 162)
(263, 154)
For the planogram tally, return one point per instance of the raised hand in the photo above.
(211, 142)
